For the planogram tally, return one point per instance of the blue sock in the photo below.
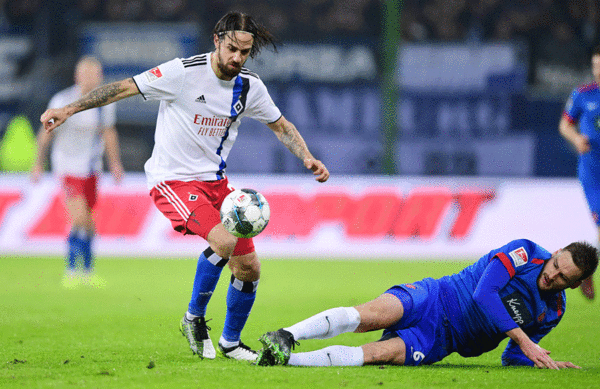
(208, 272)
(74, 250)
(86, 248)
(240, 298)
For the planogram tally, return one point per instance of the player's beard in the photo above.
(226, 69)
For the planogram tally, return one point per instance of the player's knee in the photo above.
(389, 352)
(224, 245)
(245, 267)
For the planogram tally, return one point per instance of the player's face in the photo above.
(88, 75)
(559, 272)
(596, 67)
(232, 51)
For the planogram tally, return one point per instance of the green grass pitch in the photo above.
(126, 335)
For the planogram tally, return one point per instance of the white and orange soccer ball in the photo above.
(245, 213)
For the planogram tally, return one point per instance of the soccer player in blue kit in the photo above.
(515, 291)
(580, 125)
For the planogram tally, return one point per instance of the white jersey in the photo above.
(199, 116)
(78, 145)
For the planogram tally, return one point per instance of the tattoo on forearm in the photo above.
(98, 97)
(291, 138)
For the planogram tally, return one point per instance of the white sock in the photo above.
(189, 316)
(326, 324)
(225, 343)
(329, 356)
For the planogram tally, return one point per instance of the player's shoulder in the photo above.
(64, 96)
(247, 73)
(67, 92)
(196, 60)
(588, 87)
(525, 252)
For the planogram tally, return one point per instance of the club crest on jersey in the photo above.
(193, 197)
(519, 256)
(591, 106)
(238, 107)
(153, 74)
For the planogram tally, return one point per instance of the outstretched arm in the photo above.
(98, 97)
(494, 278)
(287, 133)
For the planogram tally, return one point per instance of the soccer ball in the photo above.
(245, 213)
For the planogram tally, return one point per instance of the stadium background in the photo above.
(397, 98)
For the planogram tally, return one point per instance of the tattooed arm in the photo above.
(287, 133)
(103, 95)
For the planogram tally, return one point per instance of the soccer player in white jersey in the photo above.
(203, 99)
(77, 152)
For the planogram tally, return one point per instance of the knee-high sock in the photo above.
(240, 298)
(86, 250)
(329, 356)
(208, 272)
(75, 250)
(326, 324)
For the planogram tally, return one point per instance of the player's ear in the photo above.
(216, 40)
(576, 285)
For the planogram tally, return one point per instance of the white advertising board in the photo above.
(366, 217)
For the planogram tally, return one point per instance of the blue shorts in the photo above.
(424, 327)
(589, 177)
(592, 195)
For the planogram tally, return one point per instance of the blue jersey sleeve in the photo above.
(573, 108)
(487, 296)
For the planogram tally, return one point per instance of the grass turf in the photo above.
(126, 335)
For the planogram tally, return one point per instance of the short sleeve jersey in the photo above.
(78, 146)
(199, 116)
(583, 108)
(536, 313)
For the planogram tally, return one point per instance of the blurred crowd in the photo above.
(554, 31)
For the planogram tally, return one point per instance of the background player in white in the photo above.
(203, 99)
(77, 152)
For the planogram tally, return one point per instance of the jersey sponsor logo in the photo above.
(212, 126)
(200, 99)
(519, 256)
(193, 197)
(517, 309)
(153, 74)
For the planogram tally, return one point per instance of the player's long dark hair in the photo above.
(238, 21)
(585, 257)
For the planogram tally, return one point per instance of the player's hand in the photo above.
(53, 118)
(538, 355)
(318, 168)
(582, 144)
(566, 365)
